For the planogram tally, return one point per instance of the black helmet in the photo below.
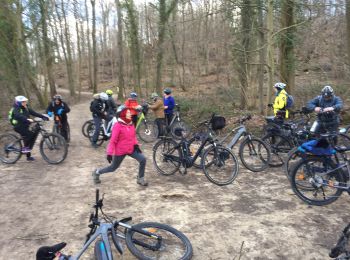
(167, 91)
(327, 92)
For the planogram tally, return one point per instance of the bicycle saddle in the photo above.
(342, 149)
(49, 252)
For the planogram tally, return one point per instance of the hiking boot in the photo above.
(26, 150)
(94, 145)
(30, 159)
(96, 177)
(142, 181)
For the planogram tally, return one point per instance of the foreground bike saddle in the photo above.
(49, 252)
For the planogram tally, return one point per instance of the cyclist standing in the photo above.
(327, 106)
(60, 108)
(280, 103)
(132, 104)
(111, 106)
(20, 119)
(169, 104)
(123, 142)
(97, 107)
(158, 109)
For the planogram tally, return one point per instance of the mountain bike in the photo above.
(146, 129)
(147, 240)
(218, 163)
(320, 180)
(105, 131)
(177, 123)
(340, 251)
(53, 147)
(57, 127)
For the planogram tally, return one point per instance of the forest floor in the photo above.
(256, 217)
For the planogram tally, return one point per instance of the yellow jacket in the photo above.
(280, 103)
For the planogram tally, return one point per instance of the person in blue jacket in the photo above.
(327, 106)
(169, 105)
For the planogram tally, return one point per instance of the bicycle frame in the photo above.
(107, 131)
(139, 120)
(240, 131)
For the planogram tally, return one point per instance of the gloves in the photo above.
(270, 105)
(49, 114)
(109, 158)
(137, 148)
(60, 111)
(328, 109)
(45, 118)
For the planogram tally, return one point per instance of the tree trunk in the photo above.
(94, 47)
(89, 45)
(262, 54)
(120, 51)
(348, 28)
(270, 60)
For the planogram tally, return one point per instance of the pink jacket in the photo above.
(122, 140)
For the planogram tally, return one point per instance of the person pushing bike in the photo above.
(97, 108)
(58, 107)
(123, 142)
(158, 109)
(20, 119)
(169, 105)
(327, 106)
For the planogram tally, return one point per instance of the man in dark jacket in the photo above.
(59, 108)
(21, 120)
(327, 106)
(98, 110)
(111, 106)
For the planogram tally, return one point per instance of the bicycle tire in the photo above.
(53, 148)
(173, 242)
(166, 157)
(100, 250)
(304, 178)
(279, 147)
(182, 125)
(100, 138)
(84, 128)
(217, 167)
(58, 130)
(147, 131)
(260, 151)
(11, 147)
(68, 133)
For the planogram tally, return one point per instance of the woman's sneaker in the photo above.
(142, 181)
(30, 159)
(96, 177)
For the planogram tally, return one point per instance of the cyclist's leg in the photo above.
(64, 129)
(116, 161)
(28, 137)
(160, 124)
(97, 123)
(142, 160)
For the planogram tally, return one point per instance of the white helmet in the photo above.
(280, 85)
(21, 98)
(103, 96)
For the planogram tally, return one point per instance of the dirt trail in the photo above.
(43, 204)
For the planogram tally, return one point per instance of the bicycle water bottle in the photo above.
(314, 127)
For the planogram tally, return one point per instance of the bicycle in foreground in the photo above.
(53, 147)
(320, 180)
(147, 240)
(218, 163)
(340, 251)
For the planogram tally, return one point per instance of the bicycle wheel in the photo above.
(68, 133)
(147, 131)
(173, 243)
(181, 125)
(84, 128)
(167, 157)
(312, 184)
(53, 148)
(220, 165)
(10, 148)
(100, 138)
(254, 154)
(279, 147)
(100, 250)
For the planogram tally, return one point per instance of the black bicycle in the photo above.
(53, 147)
(146, 241)
(218, 163)
(340, 251)
(58, 128)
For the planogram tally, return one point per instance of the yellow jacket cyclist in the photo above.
(279, 105)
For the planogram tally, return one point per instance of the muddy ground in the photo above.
(256, 217)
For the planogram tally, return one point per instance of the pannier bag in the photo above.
(218, 122)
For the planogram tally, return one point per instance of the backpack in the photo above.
(290, 101)
(10, 117)
(218, 122)
(91, 107)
